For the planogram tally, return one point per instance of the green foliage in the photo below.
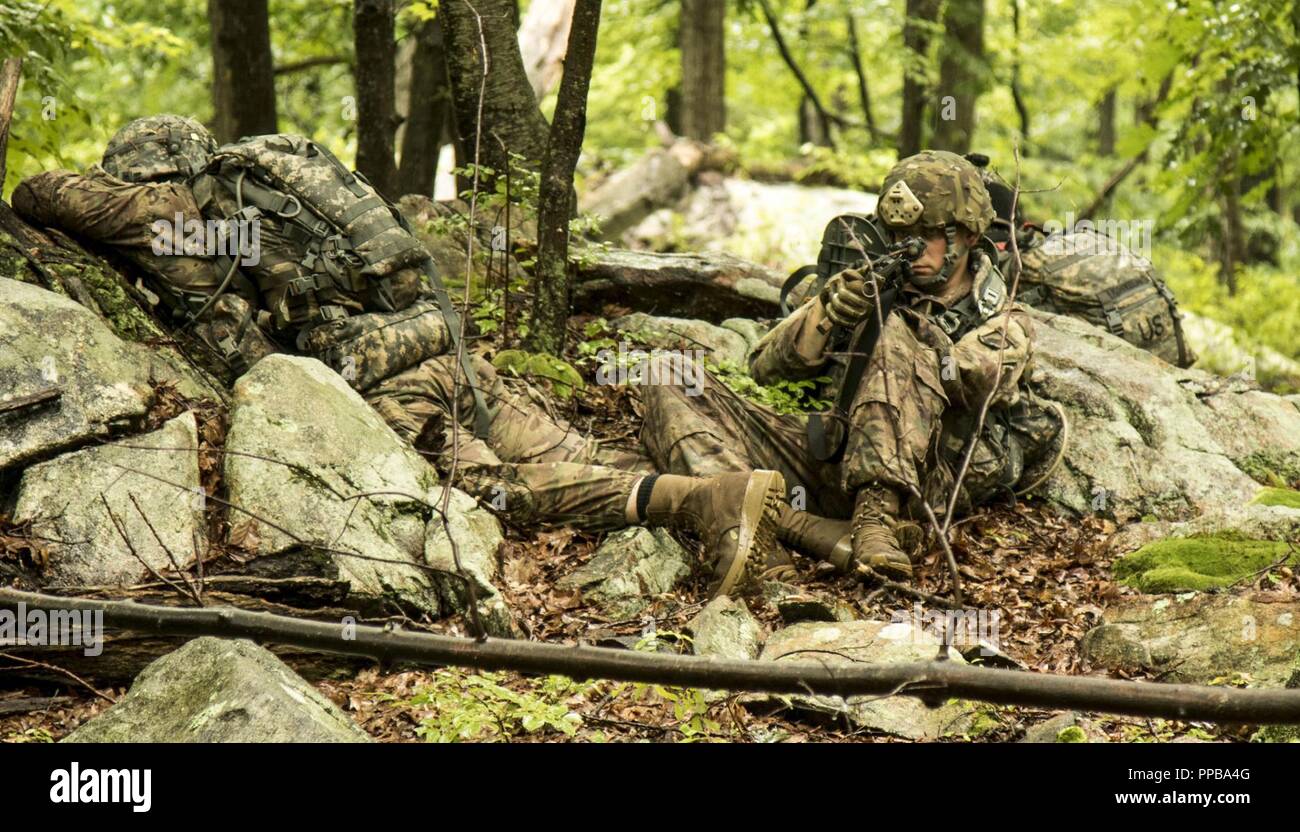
(556, 372)
(480, 707)
(784, 396)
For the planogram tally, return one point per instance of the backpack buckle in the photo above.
(949, 322)
(332, 313)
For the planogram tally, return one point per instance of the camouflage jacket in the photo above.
(967, 338)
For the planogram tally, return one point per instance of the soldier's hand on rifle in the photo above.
(847, 298)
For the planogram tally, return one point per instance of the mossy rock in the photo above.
(1278, 469)
(1198, 562)
(1285, 497)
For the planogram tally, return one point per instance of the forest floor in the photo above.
(1048, 577)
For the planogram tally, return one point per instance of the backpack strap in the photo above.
(791, 283)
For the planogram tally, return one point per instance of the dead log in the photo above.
(934, 681)
(711, 286)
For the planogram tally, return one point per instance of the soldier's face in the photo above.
(936, 246)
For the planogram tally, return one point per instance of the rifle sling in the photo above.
(482, 420)
(828, 432)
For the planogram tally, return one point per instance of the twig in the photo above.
(74, 677)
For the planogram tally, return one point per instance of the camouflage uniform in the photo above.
(543, 469)
(935, 383)
(919, 397)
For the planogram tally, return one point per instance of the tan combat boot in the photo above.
(818, 537)
(736, 516)
(875, 512)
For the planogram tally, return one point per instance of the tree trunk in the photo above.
(375, 73)
(1106, 124)
(814, 128)
(11, 72)
(553, 278)
(243, 76)
(916, 47)
(1017, 89)
(511, 119)
(542, 38)
(963, 71)
(428, 109)
(704, 68)
(864, 91)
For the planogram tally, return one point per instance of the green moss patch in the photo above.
(1272, 468)
(1288, 497)
(1196, 563)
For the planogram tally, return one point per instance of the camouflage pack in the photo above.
(331, 245)
(376, 345)
(1091, 276)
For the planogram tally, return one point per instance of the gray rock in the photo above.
(477, 535)
(725, 628)
(722, 345)
(629, 569)
(872, 642)
(220, 690)
(302, 449)
(1197, 637)
(49, 340)
(1148, 438)
(1058, 729)
(62, 499)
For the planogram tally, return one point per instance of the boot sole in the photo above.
(760, 516)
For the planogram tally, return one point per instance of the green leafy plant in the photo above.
(784, 396)
(469, 706)
(559, 374)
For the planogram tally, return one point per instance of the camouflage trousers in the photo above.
(902, 432)
(533, 467)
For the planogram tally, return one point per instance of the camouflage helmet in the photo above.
(935, 188)
(158, 147)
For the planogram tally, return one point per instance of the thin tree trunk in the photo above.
(921, 14)
(243, 75)
(702, 34)
(1017, 90)
(809, 93)
(11, 71)
(553, 282)
(864, 91)
(427, 111)
(962, 75)
(511, 119)
(375, 73)
(813, 128)
(1106, 123)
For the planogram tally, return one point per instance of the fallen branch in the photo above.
(49, 394)
(933, 681)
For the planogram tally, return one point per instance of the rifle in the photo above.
(853, 241)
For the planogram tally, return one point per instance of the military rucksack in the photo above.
(1091, 276)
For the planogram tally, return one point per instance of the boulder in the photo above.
(1220, 350)
(220, 690)
(725, 628)
(318, 475)
(477, 534)
(1067, 727)
(629, 569)
(1147, 438)
(153, 476)
(872, 642)
(1199, 638)
(47, 340)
